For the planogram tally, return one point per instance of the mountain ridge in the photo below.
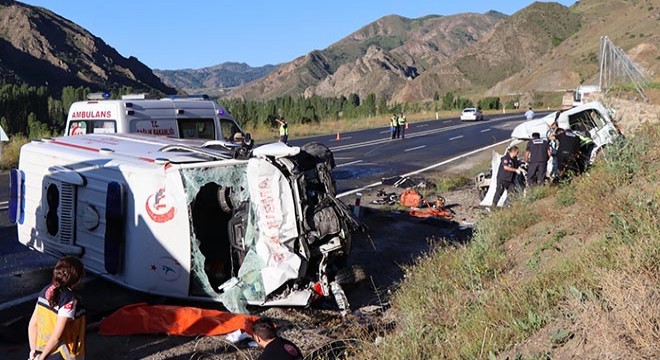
(39, 47)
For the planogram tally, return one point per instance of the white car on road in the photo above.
(472, 114)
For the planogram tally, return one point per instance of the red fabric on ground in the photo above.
(173, 320)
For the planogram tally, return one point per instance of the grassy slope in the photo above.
(564, 272)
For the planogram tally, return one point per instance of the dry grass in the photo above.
(478, 300)
(11, 150)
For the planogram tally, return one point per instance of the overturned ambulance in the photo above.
(174, 218)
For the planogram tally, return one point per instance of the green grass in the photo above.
(471, 302)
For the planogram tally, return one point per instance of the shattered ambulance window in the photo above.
(215, 198)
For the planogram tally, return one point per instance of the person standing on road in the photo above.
(394, 126)
(508, 169)
(529, 114)
(57, 326)
(284, 130)
(536, 156)
(402, 125)
(275, 347)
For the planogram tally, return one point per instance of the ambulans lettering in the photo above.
(90, 114)
(157, 207)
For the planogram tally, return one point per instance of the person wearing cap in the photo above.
(536, 156)
(284, 130)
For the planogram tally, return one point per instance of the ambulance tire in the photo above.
(350, 275)
(224, 200)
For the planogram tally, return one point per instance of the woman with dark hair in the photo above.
(57, 326)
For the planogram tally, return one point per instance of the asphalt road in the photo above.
(362, 157)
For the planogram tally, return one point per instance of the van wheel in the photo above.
(350, 275)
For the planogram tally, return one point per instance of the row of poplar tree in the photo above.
(33, 111)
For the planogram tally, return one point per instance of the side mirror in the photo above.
(248, 140)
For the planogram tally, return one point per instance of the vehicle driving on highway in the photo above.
(472, 114)
(172, 217)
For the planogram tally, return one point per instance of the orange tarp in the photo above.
(173, 320)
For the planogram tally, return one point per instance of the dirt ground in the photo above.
(394, 240)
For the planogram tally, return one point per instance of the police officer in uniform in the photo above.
(284, 130)
(394, 126)
(537, 155)
(568, 152)
(402, 126)
(508, 169)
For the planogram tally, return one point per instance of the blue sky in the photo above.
(194, 34)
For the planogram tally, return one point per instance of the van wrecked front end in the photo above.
(284, 228)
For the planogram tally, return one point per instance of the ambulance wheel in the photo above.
(350, 275)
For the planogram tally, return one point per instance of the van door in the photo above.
(229, 129)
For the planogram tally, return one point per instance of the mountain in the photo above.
(39, 47)
(633, 26)
(378, 58)
(211, 79)
(513, 44)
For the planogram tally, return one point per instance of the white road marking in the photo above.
(455, 138)
(4, 205)
(350, 192)
(415, 148)
(423, 125)
(485, 130)
(342, 138)
(343, 157)
(385, 132)
(350, 163)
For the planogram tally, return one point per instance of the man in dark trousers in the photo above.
(537, 155)
(568, 152)
(506, 172)
(275, 347)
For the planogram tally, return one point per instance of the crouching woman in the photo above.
(57, 326)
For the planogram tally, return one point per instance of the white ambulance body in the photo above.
(185, 118)
(167, 217)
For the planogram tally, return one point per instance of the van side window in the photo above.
(228, 129)
(92, 127)
(196, 129)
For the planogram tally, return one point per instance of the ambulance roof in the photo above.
(135, 148)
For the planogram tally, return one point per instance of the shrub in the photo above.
(11, 151)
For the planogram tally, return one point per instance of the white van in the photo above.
(177, 117)
(167, 217)
(592, 120)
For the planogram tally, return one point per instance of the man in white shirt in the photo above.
(529, 114)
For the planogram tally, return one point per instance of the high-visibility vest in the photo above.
(394, 121)
(284, 129)
(402, 120)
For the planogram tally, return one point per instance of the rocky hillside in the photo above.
(545, 46)
(514, 43)
(39, 47)
(214, 78)
(633, 25)
(379, 58)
